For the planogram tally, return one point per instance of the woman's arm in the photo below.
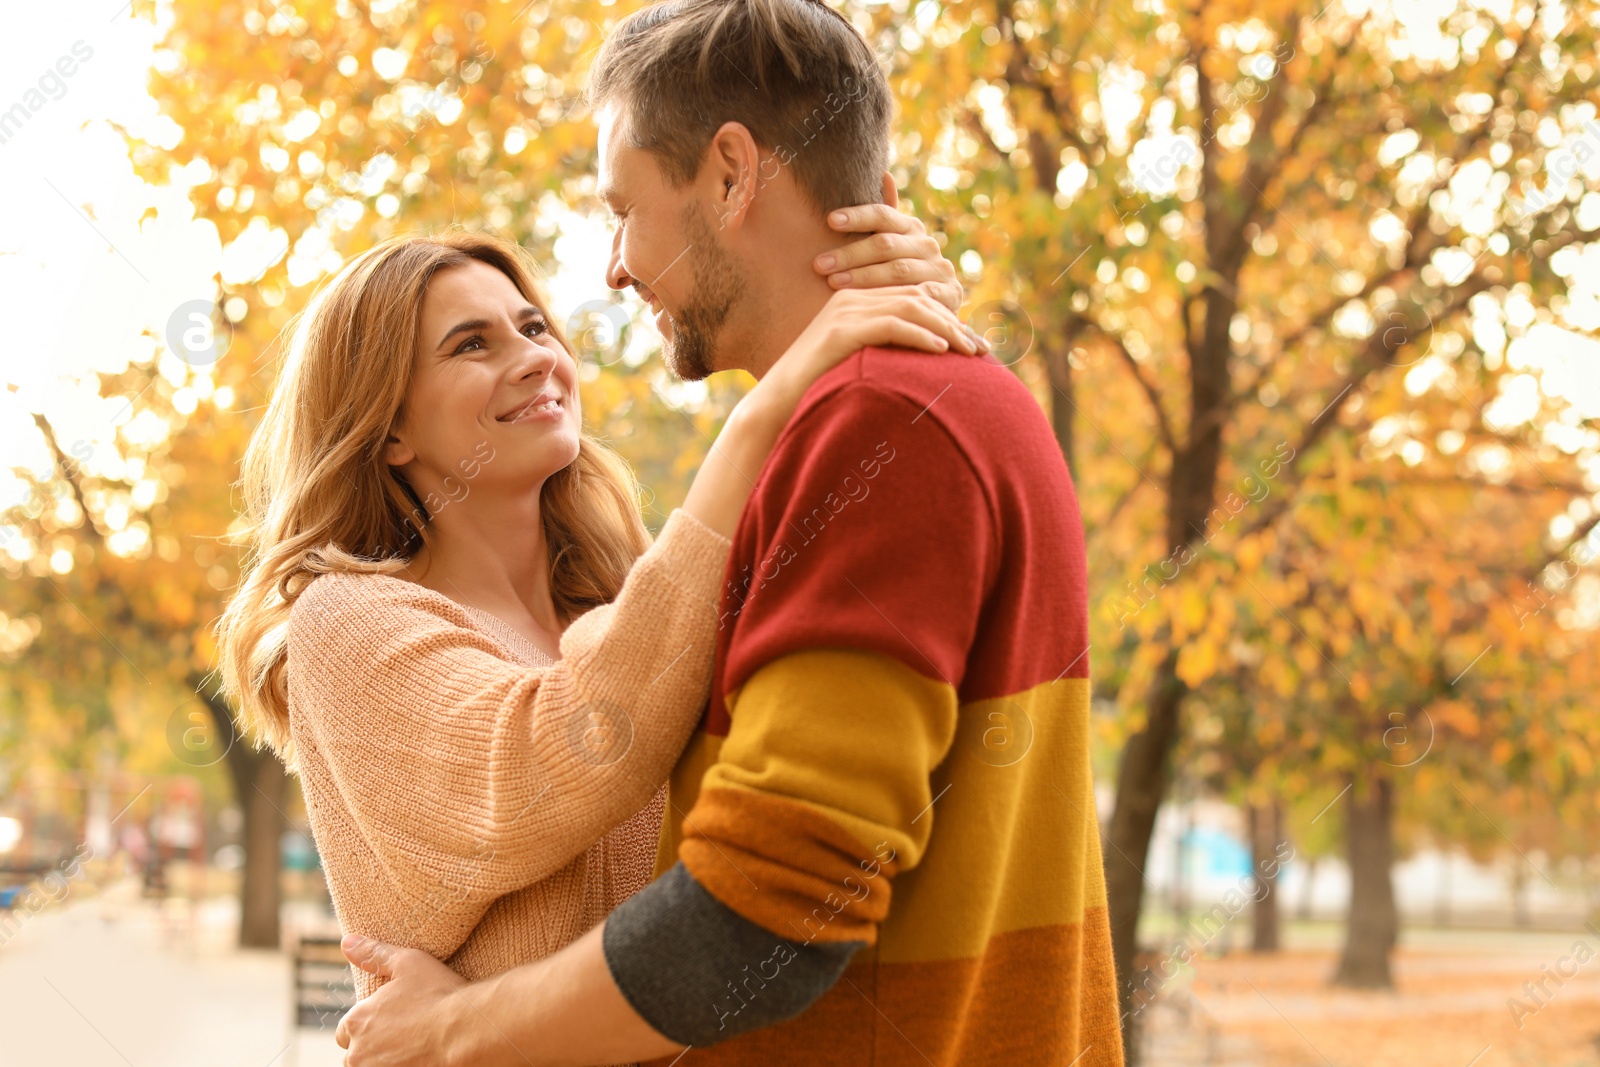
(447, 755)
(852, 319)
(467, 776)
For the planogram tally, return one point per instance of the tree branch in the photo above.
(1163, 425)
(1459, 481)
(61, 461)
(1372, 358)
(1417, 244)
(1019, 71)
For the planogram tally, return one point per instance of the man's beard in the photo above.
(691, 351)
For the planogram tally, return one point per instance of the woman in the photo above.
(454, 622)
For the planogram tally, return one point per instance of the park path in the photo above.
(1452, 1007)
(115, 982)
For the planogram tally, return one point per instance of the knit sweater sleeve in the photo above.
(468, 776)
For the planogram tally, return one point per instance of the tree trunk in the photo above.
(1519, 896)
(1191, 488)
(1141, 784)
(1180, 869)
(1307, 888)
(1266, 830)
(260, 785)
(1373, 925)
(1441, 899)
(260, 894)
(1057, 365)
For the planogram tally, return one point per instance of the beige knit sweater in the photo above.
(469, 796)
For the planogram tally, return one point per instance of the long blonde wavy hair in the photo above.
(318, 496)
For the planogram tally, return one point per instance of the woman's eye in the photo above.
(538, 326)
(469, 343)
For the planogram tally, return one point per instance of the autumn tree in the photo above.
(1246, 220)
(1209, 238)
(112, 557)
(1409, 646)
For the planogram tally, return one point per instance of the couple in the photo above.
(858, 649)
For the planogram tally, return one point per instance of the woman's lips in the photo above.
(544, 410)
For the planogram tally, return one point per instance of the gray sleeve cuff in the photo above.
(701, 973)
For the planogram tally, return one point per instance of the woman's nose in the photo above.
(537, 357)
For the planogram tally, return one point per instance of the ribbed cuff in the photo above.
(699, 972)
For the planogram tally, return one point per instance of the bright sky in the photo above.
(73, 304)
(92, 259)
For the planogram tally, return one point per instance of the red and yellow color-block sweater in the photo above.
(895, 757)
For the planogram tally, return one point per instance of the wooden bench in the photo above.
(323, 987)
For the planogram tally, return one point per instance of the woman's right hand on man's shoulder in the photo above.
(852, 319)
(901, 316)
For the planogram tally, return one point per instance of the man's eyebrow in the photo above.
(608, 195)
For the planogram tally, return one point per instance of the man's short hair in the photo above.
(794, 72)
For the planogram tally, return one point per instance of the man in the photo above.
(881, 845)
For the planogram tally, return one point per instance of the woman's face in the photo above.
(494, 396)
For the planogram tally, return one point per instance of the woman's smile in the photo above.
(547, 406)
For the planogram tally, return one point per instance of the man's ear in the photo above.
(891, 195)
(731, 171)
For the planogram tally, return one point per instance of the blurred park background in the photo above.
(1309, 293)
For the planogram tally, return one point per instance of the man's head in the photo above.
(729, 128)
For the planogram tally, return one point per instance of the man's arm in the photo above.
(686, 963)
(876, 542)
(562, 1011)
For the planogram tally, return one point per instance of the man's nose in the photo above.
(617, 275)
